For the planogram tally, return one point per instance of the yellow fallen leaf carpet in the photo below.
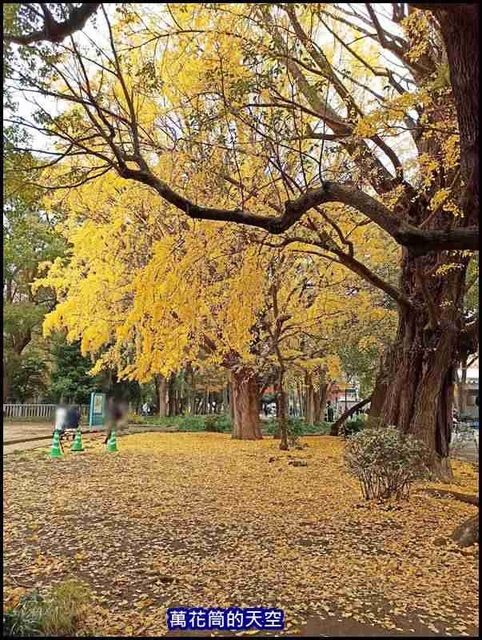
(202, 520)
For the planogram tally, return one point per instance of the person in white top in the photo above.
(60, 417)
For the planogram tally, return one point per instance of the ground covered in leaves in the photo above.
(202, 520)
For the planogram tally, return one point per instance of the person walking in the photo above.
(60, 421)
(72, 419)
(60, 417)
(114, 415)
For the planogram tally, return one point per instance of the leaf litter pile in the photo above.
(201, 520)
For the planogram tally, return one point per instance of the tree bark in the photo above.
(463, 497)
(190, 389)
(309, 400)
(172, 395)
(283, 428)
(459, 24)
(316, 405)
(277, 432)
(231, 401)
(245, 403)
(225, 402)
(415, 385)
(320, 403)
(161, 389)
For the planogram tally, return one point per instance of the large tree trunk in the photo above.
(161, 390)
(309, 400)
(190, 389)
(245, 404)
(225, 401)
(277, 432)
(231, 401)
(415, 385)
(283, 428)
(172, 395)
(415, 388)
(320, 403)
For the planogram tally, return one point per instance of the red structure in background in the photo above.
(342, 395)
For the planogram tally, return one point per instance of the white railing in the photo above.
(45, 411)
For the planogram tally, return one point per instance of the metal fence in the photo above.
(42, 411)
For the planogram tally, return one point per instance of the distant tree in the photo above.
(29, 380)
(29, 239)
(70, 379)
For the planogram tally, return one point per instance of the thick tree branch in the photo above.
(422, 241)
(293, 209)
(360, 269)
(444, 6)
(53, 31)
(418, 241)
(336, 426)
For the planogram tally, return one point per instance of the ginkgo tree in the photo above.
(337, 108)
(150, 299)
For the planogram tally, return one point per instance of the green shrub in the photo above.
(297, 427)
(26, 618)
(218, 423)
(182, 423)
(354, 426)
(224, 423)
(385, 462)
(156, 421)
(58, 613)
(211, 424)
(322, 428)
(134, 418)
(190, 423)
(271, 425)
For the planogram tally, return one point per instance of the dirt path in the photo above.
(20, 431)
(24, 446)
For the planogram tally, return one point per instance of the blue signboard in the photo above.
(97, 410)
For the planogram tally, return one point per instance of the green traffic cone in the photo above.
(77, 444)
(55, 451)
(112, 443)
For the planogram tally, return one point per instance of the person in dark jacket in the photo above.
(72, 419)
(114, 416)
(329, 411)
